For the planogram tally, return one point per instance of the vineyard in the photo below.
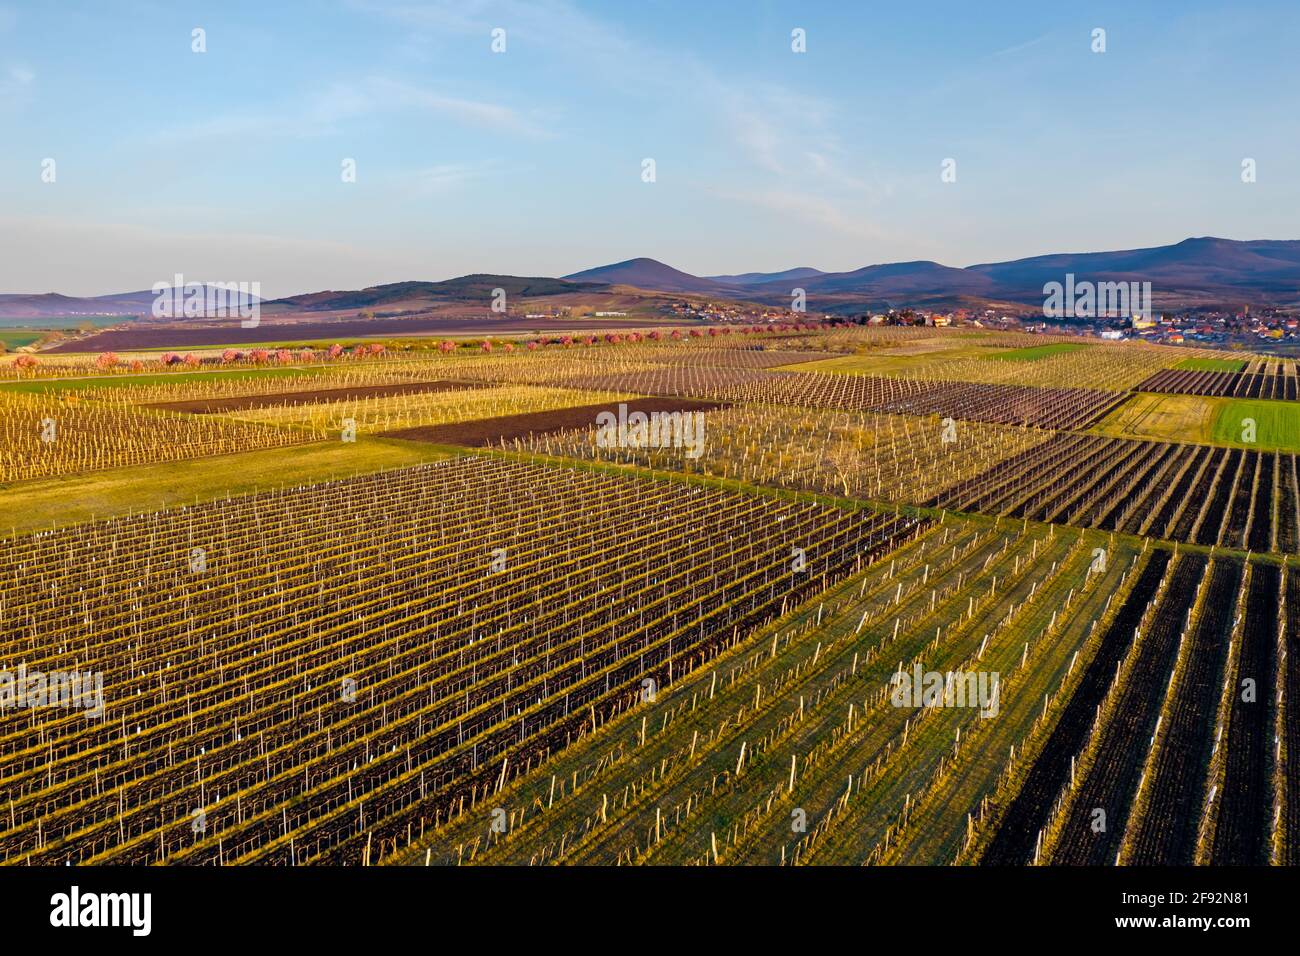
(901, 597)
(41, 437)
(801, 726)
(1003, 404)
(731, 766)
(287, 683)
(892, 458)
(1260, 379)
(1195, 494)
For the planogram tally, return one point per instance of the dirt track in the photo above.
(490, 431)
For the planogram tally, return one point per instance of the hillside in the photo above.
(471, 288)
(647, 274)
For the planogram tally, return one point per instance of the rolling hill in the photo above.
(476, 288)
(648, 274)
(760, 278)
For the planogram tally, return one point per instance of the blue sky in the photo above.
(226, 165)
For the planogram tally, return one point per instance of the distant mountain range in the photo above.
(1195, 272)
(1262, 271)
(44, 305)
(20, 305)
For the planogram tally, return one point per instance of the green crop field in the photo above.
(17, 338)
(1210, 365)
(1035, 352)
(1276, 424)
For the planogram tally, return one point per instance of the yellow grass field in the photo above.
(1188, 418)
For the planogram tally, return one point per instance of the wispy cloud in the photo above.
(810, 209)
(15, 86)
(766, 122)
(343, 102)
(380, 94)
(542, 23)
(1020, 47)
(445, 178)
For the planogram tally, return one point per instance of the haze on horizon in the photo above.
(226, 165)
